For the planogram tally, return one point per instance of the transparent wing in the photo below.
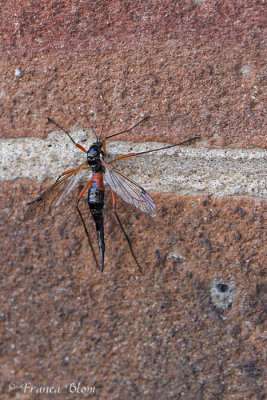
(128, 190)
(56, 193)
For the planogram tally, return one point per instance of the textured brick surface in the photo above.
(149, 335)
(197, 68)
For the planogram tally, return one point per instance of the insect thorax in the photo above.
(94, 155)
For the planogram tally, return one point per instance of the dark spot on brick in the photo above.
(261, 288)
(238, 236)
(164, 211)
(171, 239)
(28, 269)
(236, 330)
(222, 287)
(208, 244)
(25, 249)
(238, 210)
(250, 367)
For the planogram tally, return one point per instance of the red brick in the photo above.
(198, 68)
(129, 333)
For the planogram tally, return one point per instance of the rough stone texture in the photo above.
(196, 66)
(133, 335)
(186, 170)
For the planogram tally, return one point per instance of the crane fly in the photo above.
(94, 169)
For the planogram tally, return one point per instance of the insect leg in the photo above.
(122, 157)
(113, 195)
(82, 219)
(71, 171)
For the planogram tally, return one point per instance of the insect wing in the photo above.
(55, 194)
(128, 190)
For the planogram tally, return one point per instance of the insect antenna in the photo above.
(129, 129)
(64, 130)
(168, 147)
(91, 127)
(105, 116)
(60, 127)
(151, 151)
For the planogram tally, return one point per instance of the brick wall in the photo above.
(190, 326)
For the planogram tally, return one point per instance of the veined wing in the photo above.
(56, 193)
(129, 190)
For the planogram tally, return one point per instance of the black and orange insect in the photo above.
(94, 169)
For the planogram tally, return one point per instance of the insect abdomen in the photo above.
(96, 204)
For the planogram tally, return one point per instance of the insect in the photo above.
(94, 169)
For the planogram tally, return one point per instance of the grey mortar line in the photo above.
(180, 170)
